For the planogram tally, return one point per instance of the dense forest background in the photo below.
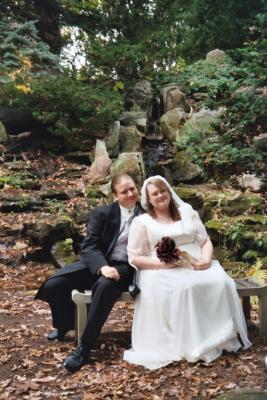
(122, 42)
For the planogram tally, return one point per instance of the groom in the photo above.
(103, 267)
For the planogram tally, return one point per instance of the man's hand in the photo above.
(110, 272)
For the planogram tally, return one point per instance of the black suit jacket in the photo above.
(103, 231)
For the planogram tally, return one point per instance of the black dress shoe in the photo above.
(57, 334)
(76, 359)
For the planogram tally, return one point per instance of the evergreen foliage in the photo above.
(47, 15)
(22, 55)
(237, 84)
(126, 40)
(209, 24)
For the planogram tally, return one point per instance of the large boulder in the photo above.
(99, 169)
(183, 170)
(113, 139)
(192, 196)
(202, 122)
(260, 143)
(17, 121)
(216, 55)
(3, 134)
(252, 182)
(130, 139)
(137, 118)
(48, 229)
(172, 97)
(62, 253)
(170, 123)
(131, 163)
(139, 98)
(231, 202)
(20, 204)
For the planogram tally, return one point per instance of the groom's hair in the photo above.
(173, 208)
(116, 180)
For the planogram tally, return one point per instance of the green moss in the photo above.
(233, 203)
(191, 196)
(216, 229)
(253, 219)
(54, 206)
(63, 252)
(243, 204)
(17, 181)
(92, 202)
(93, 192)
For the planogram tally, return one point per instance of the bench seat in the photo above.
(245, 288)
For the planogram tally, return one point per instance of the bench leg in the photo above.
(263, 316)
(81, 318)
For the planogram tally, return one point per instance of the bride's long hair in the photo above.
(173, 207)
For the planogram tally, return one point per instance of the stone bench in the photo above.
(245, 287)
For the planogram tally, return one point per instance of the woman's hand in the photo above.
(169, 265)
(200, 264)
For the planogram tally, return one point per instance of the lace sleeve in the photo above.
(201, 233)
(138, 240)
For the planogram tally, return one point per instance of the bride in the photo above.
(187, 311)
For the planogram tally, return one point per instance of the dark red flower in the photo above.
(167, 250)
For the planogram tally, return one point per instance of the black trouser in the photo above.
(57, 292)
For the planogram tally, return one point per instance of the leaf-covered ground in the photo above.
(31, 366)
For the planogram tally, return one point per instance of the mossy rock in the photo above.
(93, 192)
(49, 229)
(243, 204)
(21, 204)
(3, 133)
(92, 202)
(254, 219)
(232, 203)
(216, 229)
(130, 139)
(255, 240)
(223, 255)
(251, 256)
(183, 170)
(201, 123)
(54, 206)
(57, 194)
(191, 196)
(62, 253)
(20, 181)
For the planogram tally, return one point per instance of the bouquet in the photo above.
(168, 252)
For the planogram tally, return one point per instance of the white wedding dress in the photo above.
(181, 313)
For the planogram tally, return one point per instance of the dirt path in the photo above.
(31, 366)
